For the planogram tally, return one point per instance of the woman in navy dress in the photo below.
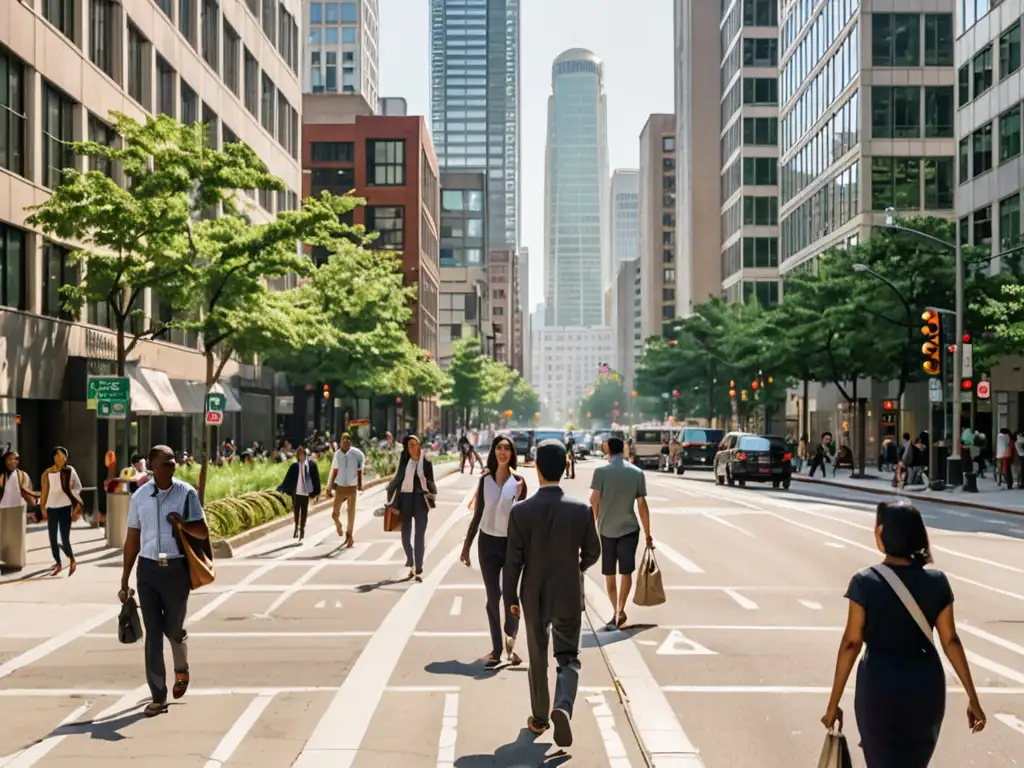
(900, 695)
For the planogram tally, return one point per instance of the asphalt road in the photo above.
(315, 656)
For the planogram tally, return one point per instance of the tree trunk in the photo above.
(207, 431)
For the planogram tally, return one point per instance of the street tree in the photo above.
(1005, 315)
(520, 398)
(603, 401)
(467, 378)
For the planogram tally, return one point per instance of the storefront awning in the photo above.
(191, 395)
(160, 386)
(143, 402)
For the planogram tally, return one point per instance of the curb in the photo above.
(222, 548)
(933, 497)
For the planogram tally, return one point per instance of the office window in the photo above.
(12, 113)
(337, 181)
(895, 112)
(760, 171)
(982, 226)
(668, 144)
(963, 85)
(212, 123)
(232, 59)
(389, 221)
(385, 162)
(58, 133)
(167, 6)
(187, 21)
(101, 133)
(452, 200)
(766, 292)
(1009, 51)
(895, 39)
(333, 151)
(760, 211)
(189, 104)
(981, 153)
(252, 87)
(760, 52)
(760, 252)
(101, 36)
(58, 271)
(963, 159)
(938, 183)
(61, 13)
(211, 37)
(982, 71)
(12, 267)
(938, 111)
(270, 18)
(165, 99)
(1009, 221)
(138, 48)
(760, 13)
(761, 131)
(269, 93)
(938, 39)
(668, 164)
(349, 13)
(1009, 134)
(760, 90)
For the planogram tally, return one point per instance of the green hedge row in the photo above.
(227, 517)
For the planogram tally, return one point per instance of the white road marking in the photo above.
(835, 545)
(678, 644)
(1012, 721)
(456, 608)
(721, 520)
(32, 755)
(449, 732)
(676, 558)
(811, 605)
(754, 628)
(742, 600)
(297, 562)
(390, 552)
(421, 689)
(613, 746)
(321, 604)
(237, 733)
(790, 689)
(994, 639)
(994, 666)
(41, 651)
(303, 579)
(460, 587)
(356, 701)
(234, 635)
(749, 588)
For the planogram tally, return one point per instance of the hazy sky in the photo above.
(634, 39)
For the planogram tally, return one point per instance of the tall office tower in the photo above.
(624, 215)
(526, 338)
(627, 336)
(750, 154)
(577, 256)
(474, 97)
(699, 84)
(342, 53)
(657, 220)
(844, 159)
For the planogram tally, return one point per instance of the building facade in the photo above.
(388, 161)
(474, 92)
(624, 217)
(63, 68)
(699, 84)
(341, 51)
(577, 257)
(566, 361)
(525, 310)
(503, 283)
(626, 324)
(657, 223)
(749, 178)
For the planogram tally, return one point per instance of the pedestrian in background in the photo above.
(900, 697)
(617, 490)
(15, 493)
(413, 492)
(499, 489)
(345, 483)
(156, 514)
(551, 542)
(301, 482)
(61, 503)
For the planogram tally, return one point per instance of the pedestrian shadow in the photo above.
(475, 670)
(524, 752)
(268, 554)
(102, 729)
(366, 588)
(603, 636)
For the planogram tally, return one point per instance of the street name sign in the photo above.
(109, 396)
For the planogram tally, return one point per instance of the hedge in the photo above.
(227, 517)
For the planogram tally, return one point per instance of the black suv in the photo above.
(744, 457)
(699, 446)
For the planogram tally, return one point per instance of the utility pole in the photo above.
(954, 468)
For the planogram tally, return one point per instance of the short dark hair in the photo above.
(159, 450)
(615, 445)
(551, 460)
(903, 531)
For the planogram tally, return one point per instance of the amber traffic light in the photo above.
(931, 349)
(327, 392)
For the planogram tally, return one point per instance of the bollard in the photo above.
(12, 535)
(117, 517)
(971, 482)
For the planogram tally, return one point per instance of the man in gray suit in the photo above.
(551, 541)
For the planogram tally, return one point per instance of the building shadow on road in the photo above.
(524, 752)
(603, 636)
(475, 670)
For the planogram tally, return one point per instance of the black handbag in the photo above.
(129, 626)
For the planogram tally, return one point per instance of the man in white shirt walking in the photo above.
(347, 479)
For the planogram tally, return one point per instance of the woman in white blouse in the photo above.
(61, 502)
(499, 489)
(413, 492)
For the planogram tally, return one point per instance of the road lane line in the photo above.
(792, 689)
(355, 702)
(1011, 721)
(677, 559)
(238, 731)
(456, 608)
(811, 605)
(834, 545)
(32, 755)
(44, 649)
(727, 524)
(754, 627)
(994, 666)
(390, 552)
(420, 689)
(994, 639)
(303, 579)
(232, 635)
(742, 600)
(613, 746)
(449, 732)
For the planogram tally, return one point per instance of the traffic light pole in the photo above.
(954, 468)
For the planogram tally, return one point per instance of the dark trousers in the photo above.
(565, 637)
(414, 509)
(300, 508)
(163, 592)
(491, 554)
(59, 517)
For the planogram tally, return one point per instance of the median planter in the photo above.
(228, 517)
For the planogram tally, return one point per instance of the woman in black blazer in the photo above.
(412, 491)
(301, 488)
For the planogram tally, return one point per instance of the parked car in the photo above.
(743, 458)
(699, 446)
(646, 444)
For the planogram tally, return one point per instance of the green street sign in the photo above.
(215, 402)
(107, 388)
(111, 409)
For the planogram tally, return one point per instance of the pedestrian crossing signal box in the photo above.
(931, 349)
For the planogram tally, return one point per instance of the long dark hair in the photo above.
(492, 457)
(59, 449)
(903, 531)
(405, 447)
(8, 472)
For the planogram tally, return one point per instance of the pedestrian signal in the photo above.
(931, 350)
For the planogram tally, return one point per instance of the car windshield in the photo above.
(648, 436)
(546, 434)
(754, 444)
(693, 435)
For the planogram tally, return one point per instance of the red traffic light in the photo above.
(966, 385)
(951, 349)
(888, 405)
(755, 385)
(967, 338)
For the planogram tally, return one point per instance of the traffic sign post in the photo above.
(215, 402)
(934, 390)
(109, 396)
(984, 390)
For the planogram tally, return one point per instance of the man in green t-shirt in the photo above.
(614, 489)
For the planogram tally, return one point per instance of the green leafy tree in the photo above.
(1005, 315)
(603, 398)
(520, 398)
(467, 375)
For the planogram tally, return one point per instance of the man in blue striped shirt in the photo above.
(156, 511)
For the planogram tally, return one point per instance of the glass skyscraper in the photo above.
(578, 255)
(474, 86)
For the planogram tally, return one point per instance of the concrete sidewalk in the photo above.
(989, 496)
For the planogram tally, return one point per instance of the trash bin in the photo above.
(12, 535)
(117, 513)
